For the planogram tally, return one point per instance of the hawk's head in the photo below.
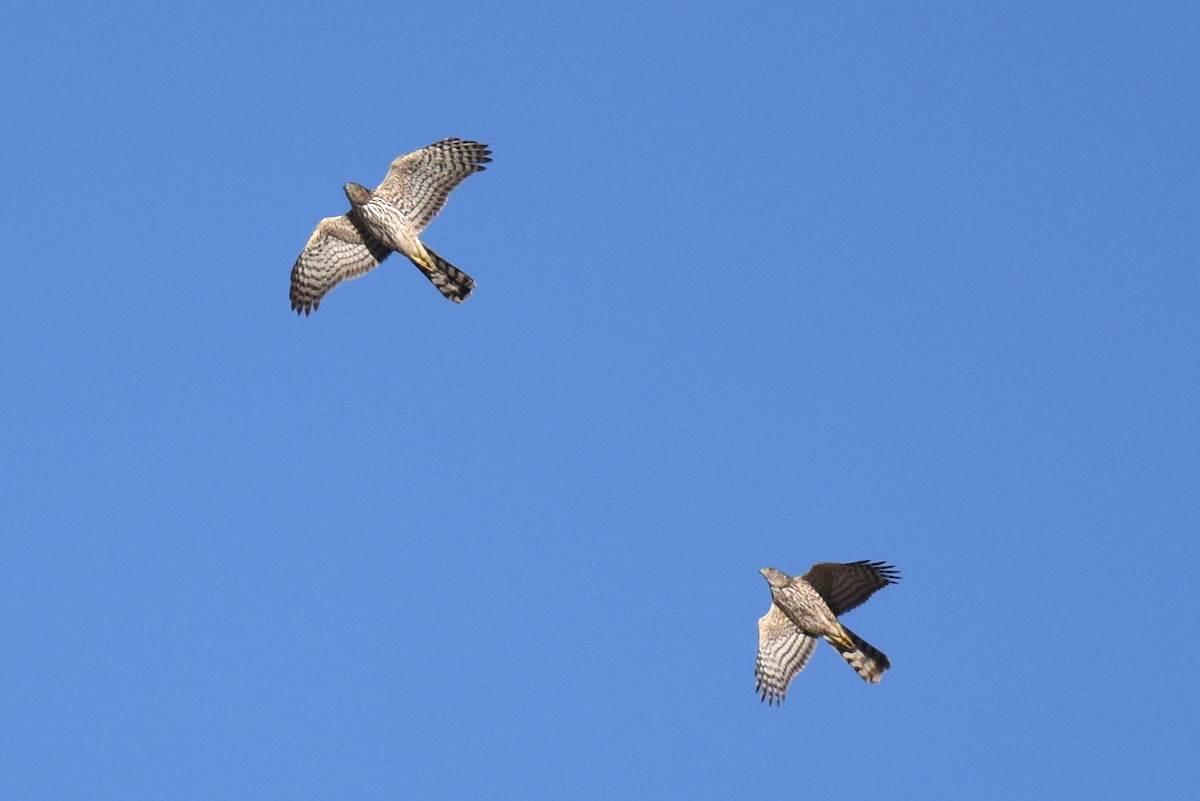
(357, 194)
(776, 578)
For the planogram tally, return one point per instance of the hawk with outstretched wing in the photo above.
(389, 219)
(806, 607)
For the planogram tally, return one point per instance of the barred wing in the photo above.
(339, 248)
(419, 183)
(845, 586)
(783, 651)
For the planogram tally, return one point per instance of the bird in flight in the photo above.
(807, 607)
(389, 219)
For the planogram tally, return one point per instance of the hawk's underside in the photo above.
(389, 219)
(805, 608)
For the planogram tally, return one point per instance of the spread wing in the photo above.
(419, 183)
(338, 249)
(845, 586)
(783, 651)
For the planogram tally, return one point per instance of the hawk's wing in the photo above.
(418, 184)
(783, 651)
(338, 249)
(845, 586)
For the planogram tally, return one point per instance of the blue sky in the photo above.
(769, 286)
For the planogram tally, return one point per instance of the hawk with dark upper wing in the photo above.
(805, 608)
(389, 219)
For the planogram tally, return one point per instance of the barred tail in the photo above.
(449, 280)
(867, 660)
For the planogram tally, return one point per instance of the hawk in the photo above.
(807, 607)
(388, 219)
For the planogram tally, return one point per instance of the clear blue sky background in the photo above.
(791, 283)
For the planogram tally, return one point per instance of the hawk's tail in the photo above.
(449, 280)
(867, 660)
